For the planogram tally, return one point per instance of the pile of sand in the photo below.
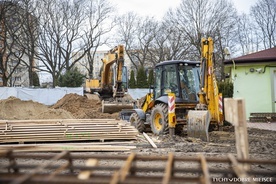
(69, 107)
(14, 108)
(83, 108)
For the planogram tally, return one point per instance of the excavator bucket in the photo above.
(115, 106)
(198, 124)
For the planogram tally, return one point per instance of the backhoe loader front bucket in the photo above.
(198, 124)
(115, 106)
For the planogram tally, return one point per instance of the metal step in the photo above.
(263, 114)
(262, 117)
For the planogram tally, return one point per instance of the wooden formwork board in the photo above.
(65, 130)
(66, 167)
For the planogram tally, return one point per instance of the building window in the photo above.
(17, 78)
(14, 62)
(17, 70)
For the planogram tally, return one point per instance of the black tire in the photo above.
(159, 119)
(137, 122)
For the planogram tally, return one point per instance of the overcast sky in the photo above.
(157, 8)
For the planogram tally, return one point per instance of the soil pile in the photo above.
(69, 107)
(14, 108)
(82, 107)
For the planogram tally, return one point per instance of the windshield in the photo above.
(179, 78)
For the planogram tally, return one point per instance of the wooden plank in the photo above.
(235, 114)
(149, 140)
(65, 130)
(25, 177)
(68, 148)
(126, 167)
(168, 171)
(205, 169)
(239, 169)
(115, 178)
(84, 175)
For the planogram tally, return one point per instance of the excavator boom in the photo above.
(112, 87)
(207, 110)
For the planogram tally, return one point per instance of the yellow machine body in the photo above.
(196, 100)
(207, 110)
(111, 87)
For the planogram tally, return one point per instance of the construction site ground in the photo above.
(261, 136)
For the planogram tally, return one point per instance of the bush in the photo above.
(71, 78)
(35, 79)
(151, 78)
(142, 78)
(132, 82)
(226, 88)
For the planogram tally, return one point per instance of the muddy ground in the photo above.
(262, 143)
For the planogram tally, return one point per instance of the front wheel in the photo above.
(159, 119)
(137, 122)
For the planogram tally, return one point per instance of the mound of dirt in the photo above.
(14, 108)
(69, 107)
(82, 107)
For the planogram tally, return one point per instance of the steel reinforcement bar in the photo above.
(68, 167)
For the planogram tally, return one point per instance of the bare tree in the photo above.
(29, 37)
(204, 18)
(147, 31)
(10, 52)
(127, 29)
(68, 31)
(169, 43)
(99, 12)
(264, 14)
(247, 35)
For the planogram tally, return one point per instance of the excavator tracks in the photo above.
(69, 167)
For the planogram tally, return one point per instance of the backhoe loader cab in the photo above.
(178, 77)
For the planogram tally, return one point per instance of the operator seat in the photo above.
(187, 94)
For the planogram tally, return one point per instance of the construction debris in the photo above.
(149, 140)
(65, 130)
(67, 167)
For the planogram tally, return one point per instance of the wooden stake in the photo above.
(235, 114)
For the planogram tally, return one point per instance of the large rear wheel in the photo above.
(137, 122)
(159, 119)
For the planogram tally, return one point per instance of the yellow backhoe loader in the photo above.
(112, 85)
(184, 93)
